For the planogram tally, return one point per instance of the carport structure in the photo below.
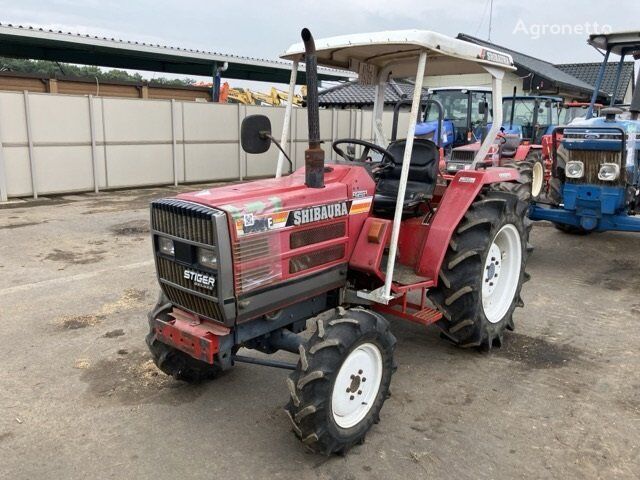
(58, 46)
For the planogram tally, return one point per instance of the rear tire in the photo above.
(521, 188)
(489, 246)
(341, 381)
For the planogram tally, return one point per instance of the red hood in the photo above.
(276, 194)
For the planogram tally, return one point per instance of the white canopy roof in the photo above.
(617, 41)
(399, 50)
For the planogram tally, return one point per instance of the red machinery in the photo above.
(249, 265)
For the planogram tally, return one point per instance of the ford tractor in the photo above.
(313, 263)
(595, 183)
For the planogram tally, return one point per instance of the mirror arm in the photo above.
(268, 135)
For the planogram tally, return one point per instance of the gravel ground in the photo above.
(81, 397)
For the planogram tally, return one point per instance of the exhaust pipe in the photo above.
(314, 155)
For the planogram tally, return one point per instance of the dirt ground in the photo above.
(80, 397)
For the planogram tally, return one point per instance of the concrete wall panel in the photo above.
(63, 169)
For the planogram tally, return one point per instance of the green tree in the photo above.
(46, 68)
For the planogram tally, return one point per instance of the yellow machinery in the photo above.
(248, 97)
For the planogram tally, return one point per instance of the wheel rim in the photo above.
(356, 386)
(538, 180)
(501, 273)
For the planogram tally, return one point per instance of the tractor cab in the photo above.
(465, 111)
(531, 117)
(595, 179)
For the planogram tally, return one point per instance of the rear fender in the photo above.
(457, 199)
(523, 151)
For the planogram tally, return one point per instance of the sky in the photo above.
(555, 31)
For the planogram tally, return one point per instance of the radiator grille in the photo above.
(193, 303)
(592, 160)
(194, 223)
(314, 259)
(462, 156)
(174, 273)
(317, 235)
(251, 248)
(184, 220)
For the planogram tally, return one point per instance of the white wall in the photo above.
(475, 80)
(47, 146)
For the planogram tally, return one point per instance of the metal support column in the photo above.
(32, 160)
(174, 149)
(596, 88)
(616, 83)
(4, 196)
(385, 295)
(287, 117)
(94, 149)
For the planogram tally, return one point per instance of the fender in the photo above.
(523, 151)
(457, 199)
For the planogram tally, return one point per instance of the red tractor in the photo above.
(520, 142)
(254, 265)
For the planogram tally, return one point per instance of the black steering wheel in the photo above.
(368, 146)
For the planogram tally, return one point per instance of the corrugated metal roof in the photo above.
(25, 41)
(588, 72)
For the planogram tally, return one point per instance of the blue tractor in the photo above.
(595, 174)
(465, 116)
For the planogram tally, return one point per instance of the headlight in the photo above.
(165, 245)
(574, 169)
(207, 258)
(609, 172)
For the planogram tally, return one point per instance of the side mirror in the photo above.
(482, 108)
(255, 134)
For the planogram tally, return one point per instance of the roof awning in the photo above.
(400, 49)
(40, 44)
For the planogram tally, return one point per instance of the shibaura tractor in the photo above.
(313, 262)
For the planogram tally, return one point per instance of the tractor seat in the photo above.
(423, 173)
(510, 147)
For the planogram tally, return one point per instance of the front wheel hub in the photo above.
(356, 386)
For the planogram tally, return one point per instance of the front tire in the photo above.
(556, 182)
(341, 381)
(172, 361)
(483, 270)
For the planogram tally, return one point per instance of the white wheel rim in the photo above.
(537, 180)
(356, 386)
(501, 273)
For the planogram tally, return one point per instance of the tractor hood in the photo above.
(629, 126)
(286, 193)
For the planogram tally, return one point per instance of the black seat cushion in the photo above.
(510, 146)
(423, 174)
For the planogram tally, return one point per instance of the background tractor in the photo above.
(519, 143)
(253, 265)
(595, 181)
(464, 111)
